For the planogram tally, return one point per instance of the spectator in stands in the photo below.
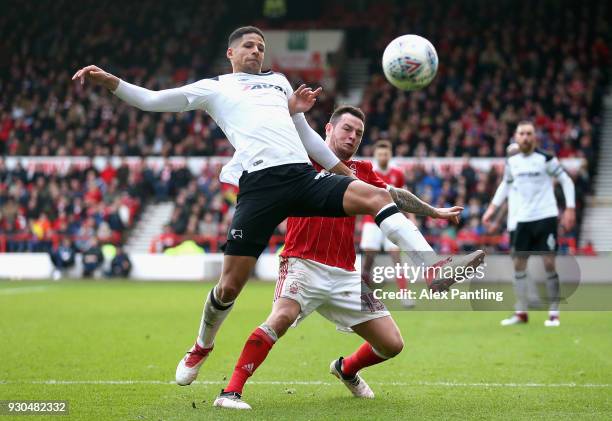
(63, 258)
(121, 266)
(92, 257)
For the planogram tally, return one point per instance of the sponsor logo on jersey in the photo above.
(252, 87)
(529, 174)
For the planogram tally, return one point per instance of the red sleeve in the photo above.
(371, 177)
(401, 178)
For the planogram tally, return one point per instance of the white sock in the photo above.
(215, 312)
(404, 234)
(520, 289)
(269, 331)
(532, 291)
(553, 287)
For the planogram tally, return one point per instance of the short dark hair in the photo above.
(243, 30)
(525, 123)
(346, 109)
(383, 144)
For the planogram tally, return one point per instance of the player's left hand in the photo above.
(303, 99)
(451, 214)
(568, 220)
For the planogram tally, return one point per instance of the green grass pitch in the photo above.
(112, 347)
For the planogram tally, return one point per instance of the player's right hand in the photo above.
(452, 214)
(97, 76)
(486, 218)
(303, 99)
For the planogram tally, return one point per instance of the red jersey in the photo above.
(328, 240)
(394, 177)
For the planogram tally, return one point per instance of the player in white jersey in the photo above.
(263, 119)
(531, 174)
(505, 191)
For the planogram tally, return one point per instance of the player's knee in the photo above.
(383, 196)
(395, 347)
(378, 199)
(549, 265)
(280, 321)
(392, 346)
(227, 291)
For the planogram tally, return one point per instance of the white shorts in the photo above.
(333, 292)
(372, 238)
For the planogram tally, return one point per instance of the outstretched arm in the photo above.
(410, 203)
(168, 100)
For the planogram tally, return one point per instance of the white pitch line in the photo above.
(311, 383)
(22, 290)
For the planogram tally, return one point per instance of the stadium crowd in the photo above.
(40, 206)
(547, 62)
(469, 110)
(204, 207)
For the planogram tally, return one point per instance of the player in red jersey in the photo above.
(372, 238)
(317, 272)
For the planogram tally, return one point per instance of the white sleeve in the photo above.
(501, 194)
(553, 167)
(185, 98)
(568, 189)
(507, 178)
(314, 144)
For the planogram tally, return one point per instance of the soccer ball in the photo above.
(410, 62)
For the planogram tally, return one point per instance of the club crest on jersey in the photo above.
(236, 233)
(252, 87)
(294, 288)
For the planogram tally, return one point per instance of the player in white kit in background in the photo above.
(372, 238)
(531, 174)
(494, 222)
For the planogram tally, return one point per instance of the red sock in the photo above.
(402, 283)
(363, 357)
(253, 354)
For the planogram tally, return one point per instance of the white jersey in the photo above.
(531, 186)
(253, 113)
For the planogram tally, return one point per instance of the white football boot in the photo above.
(552, 321)
(189, 366)
(515, 319)
(358, 387)
(231, 400)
